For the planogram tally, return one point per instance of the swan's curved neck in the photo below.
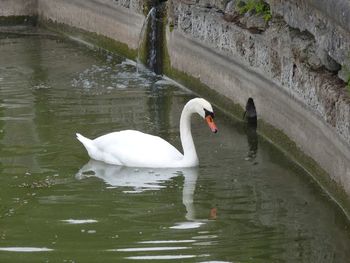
(190, 154)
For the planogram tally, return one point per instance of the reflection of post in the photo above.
(190, 180)
(250, 117)
(252, 138)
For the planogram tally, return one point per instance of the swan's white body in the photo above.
(131, 148)
(136, 149)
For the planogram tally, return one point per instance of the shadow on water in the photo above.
(252, 138)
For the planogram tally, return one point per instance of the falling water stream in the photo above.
(153, 41)
(246, 202)
(143, 38)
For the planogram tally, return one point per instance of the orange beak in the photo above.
(211, 124)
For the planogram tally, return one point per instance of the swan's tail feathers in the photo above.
(88, 144)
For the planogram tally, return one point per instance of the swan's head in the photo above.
(205, 110)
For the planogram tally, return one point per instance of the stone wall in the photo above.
(327, 21)
(287, 56)
(290, 71)
(18, 7)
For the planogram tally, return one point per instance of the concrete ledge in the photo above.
(100, 17)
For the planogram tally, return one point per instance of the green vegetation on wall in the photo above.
(18, 20)
(346, 70)
(257, 6)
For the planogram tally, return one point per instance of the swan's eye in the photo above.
(208, 113)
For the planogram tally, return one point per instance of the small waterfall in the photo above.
(151, 39)
(142, 37)
(152, 58)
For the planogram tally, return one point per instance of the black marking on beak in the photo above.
(209, 113)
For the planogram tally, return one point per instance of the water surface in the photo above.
(246, 202)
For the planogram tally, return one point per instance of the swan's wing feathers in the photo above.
(134, 148)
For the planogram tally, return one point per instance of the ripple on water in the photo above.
(165, 257)
(143, 249)
(25, 249)
(79, 221)
(167, 241)
(187, 225)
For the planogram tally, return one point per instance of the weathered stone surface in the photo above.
(289, 57)
(328, 21)
(255, 21)
(230, 7)
(216, 4)
(18, 7)
(135, 5)
(104, 17)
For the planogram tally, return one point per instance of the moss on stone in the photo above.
(146, 6)
(171, 27)
(258, 6)
(143, 49)
(18, 20)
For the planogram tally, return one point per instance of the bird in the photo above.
(133, 148)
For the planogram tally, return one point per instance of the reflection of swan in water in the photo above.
(143, 179)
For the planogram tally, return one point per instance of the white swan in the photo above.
(136, 149)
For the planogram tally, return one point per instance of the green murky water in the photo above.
(57, 206)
